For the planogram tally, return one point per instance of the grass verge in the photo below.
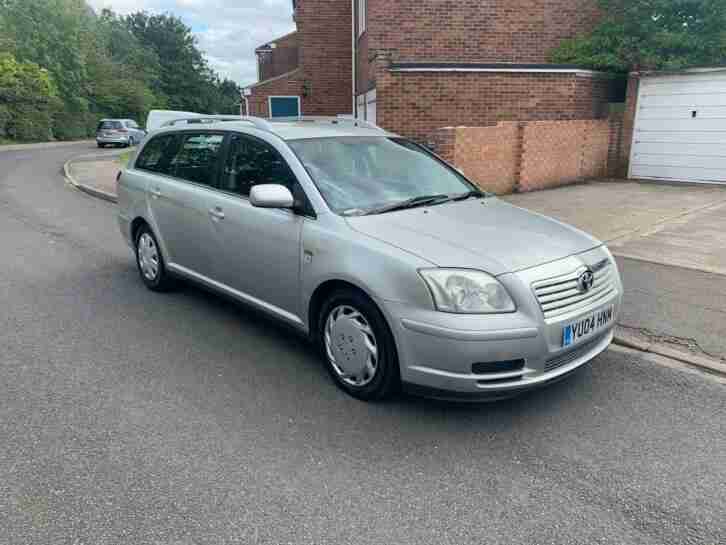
(123, 159)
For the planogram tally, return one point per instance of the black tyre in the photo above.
(101, 145)
(150, 262)
(357, 346)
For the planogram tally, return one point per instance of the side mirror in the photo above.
(271, 196)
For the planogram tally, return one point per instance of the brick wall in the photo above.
(513, 31)
(560, 152)
(527, 156)
(416, 103)
(631, 106)
(324, 36)
(488, 155)
(285, 85)
(280, 60)
(616, 165)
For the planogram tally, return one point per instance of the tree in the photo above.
(28, 98)
(98, 66)
(651, 35)
(185, 77)
(229, 97)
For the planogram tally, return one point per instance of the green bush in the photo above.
(27, 100)
(4, 119)
(70, 125)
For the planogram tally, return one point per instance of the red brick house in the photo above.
(413, 66)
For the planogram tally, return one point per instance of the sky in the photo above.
(228, 31)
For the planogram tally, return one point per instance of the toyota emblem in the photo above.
(585, 281)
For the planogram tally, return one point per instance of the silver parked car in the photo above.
(118, 132)
(398, 268)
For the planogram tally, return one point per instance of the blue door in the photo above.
(284, 106)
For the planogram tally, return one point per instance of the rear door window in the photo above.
(110, 125)
(197, 157)
(158, 154)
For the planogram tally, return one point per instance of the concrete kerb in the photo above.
(703, 363)
(85, 188)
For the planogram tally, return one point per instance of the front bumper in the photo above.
(437, 351)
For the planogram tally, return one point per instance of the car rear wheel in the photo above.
(101, 145)
(357, 346)
(150, 262)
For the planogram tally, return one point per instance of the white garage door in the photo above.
(680, 128)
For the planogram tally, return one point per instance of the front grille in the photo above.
(560, 295)
(568, 357)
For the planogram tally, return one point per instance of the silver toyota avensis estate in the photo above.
(398, 268)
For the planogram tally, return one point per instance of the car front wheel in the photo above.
(357, 346)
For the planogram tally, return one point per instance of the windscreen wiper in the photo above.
(469, 195)
(423, 200)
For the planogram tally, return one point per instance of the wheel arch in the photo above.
(322, 292)
(136, 224)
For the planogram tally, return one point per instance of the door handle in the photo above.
(155, 193)
(216, 213)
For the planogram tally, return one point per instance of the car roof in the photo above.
(290, 130)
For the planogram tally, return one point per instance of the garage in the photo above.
(680, 127)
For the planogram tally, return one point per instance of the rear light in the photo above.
(123, 131)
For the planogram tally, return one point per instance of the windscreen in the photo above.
(355, 174)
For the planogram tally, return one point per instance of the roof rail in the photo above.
(329, 119)
(268, 124)
(201, 119)
(258, 122)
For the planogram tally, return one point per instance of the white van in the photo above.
(157, 118)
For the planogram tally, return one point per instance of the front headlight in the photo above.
(464, 291)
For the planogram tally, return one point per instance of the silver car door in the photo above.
(261, 247)
(180, 199)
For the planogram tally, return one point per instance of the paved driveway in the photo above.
(669, 241)
(680, 225)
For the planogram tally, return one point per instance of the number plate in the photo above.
(586, 326)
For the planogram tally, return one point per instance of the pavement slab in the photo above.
(694, 241)
(96, 174)
(615, 209)
(670, 242)
(686, 307)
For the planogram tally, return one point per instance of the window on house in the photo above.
(362, 14)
